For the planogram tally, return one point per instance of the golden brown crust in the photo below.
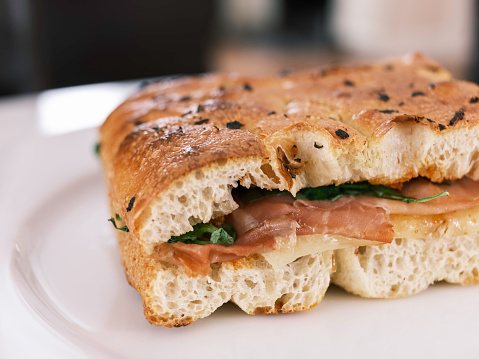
(173, 127)
(280, 308)
(151, 157)
(141, 270)
(469, 280)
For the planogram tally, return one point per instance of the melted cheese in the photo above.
(465, 221)
(311, 244)
(431, 226)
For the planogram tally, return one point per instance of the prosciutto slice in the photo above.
(197, 258)
(346, 216)
(463, 194)
(260, 224)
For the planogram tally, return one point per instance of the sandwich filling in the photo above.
(282, 228)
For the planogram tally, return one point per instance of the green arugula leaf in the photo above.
(225, 235)
(207, 233)
(119, 219)
(333, 192)
(230, 229)
(221, 237)
(97, 148)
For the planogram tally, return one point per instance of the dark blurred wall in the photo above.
(474, 71)
(54, 43)
(308, 19)
(79, 42)
(6, 48)
(15, 47)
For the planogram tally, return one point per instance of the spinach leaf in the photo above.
(333, 192)
(97, 149)
(119, 219)
(206, 233)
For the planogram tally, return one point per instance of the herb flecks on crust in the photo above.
(235, 125)
(459, 115)
(342, 134)
(130, 204)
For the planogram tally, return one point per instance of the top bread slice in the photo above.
(173, 152)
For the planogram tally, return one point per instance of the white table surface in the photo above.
(28, 121)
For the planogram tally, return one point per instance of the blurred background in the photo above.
(47, 44)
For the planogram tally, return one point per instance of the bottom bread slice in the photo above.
(171, 298)
(407, 266)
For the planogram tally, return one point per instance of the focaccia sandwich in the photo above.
(260, 190)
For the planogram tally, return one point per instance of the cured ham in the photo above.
(463, 194)
(274, 222)
(197, 258)
(347, 217)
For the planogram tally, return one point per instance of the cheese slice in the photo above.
(451, 224)
(311, 244)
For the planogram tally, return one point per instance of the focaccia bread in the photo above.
(407, 265)
(173, 152)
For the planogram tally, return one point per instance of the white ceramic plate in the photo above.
(67, 269)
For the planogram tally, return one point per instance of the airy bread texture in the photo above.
(173, 152)
(172, 299)
(407, 266)
(198, 197)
